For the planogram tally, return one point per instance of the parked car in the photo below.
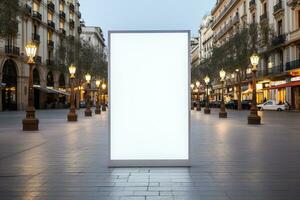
(82, 104)
(214, 104)
(272, 105)
(232, 104)
(246, 104)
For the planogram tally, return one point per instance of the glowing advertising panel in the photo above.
(149, 91)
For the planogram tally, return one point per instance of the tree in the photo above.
(9, 12)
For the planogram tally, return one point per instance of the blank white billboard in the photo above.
(149, 98)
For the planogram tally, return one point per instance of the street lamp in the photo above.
(253, 118)
(98, 107)
(88, 111)
(207, 110)
(198, 96)
(72, 116)
(103, 93)
(222, 113)
(30, 123)
(192, 88)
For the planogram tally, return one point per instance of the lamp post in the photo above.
(253, 118)
(222, 113)
(98, 106)
(192, 88)
(88, 111)
(198, 96)
(72, 116)
(207, 110)
(30, 123)
(103, 100)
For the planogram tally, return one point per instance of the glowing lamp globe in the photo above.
(72, 70)
(88, 77)
(254, 60)
(222, 74)
(103, 86)
(206, 80)
(198, 84)
(98, 82)
(31, 49)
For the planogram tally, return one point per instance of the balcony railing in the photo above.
(278, 40)
(72, 7)
(37, 15)
(223, 12)
(38, 60)
(51, 6)
(27, 9)
(51, 24)
(79, 14)
(36, 37)
(292, 3)
(50, 44)
(50, 62)
(79, 30)
(12, 50)
(276, 70)
(232, 22)
(295, 64)
(72, 24)
(62, 15)
(278, 7)
(62, 1)
(264, 17)
(252, 4)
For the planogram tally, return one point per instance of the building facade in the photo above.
(279, 71)
(46, 22)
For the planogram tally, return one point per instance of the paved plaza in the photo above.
(230, 160)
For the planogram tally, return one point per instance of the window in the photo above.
(265, 8)
(253, 18)
(298, 18)
(279, 27)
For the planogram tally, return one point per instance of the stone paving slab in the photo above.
(230, 160)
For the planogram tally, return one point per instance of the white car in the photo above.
(271, 105)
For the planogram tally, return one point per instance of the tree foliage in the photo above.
(235, 52)
(9, 12)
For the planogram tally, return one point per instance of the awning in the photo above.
(248, 91)
(290, 84)
(50, 90)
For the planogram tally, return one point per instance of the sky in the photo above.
(145, 14)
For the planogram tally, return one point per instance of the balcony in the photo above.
(72, 7)
(227, 27)
(276, 70)
(278, 8)
(224, 12)
(36, 37)
(264, 17)
(51, 6)
(50, 62)
(27, 9)
(50, 44)
(295, 64)
(62, 15)
(293, 3)
(252, 5)
(36, 15)
(79, 14)
(279, 40)
(79, 29)
(62, 31)
(51, 24)
(72, 24)
(12, 50)
(38, 60)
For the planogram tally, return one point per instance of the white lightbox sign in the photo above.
(149, 78)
